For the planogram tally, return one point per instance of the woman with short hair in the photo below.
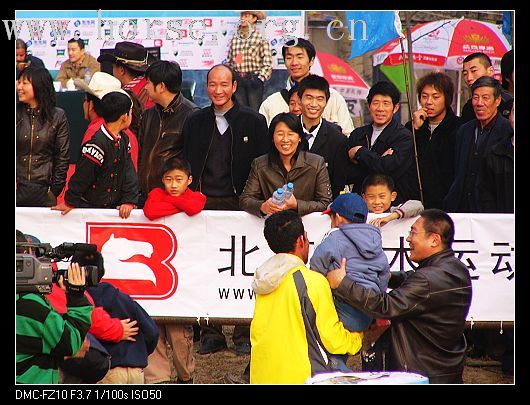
(286, 163)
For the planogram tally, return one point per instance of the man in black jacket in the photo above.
(474, 67)
(385, 146)
(435, 126)
(160, 136)
(427, 307)
(220, 142)
(496, 185)
(320, 136)
(473, 140)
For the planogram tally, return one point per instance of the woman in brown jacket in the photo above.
(285, 163)
(42, 140)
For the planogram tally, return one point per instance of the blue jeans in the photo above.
(353, 320)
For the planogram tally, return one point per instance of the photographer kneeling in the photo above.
(44, 337)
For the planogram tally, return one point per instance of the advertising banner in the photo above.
(202, 266)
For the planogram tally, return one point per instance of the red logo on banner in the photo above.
(137, 257)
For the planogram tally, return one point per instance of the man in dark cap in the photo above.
(129, 63)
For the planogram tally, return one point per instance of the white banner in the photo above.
(195, 39)
(202, 266)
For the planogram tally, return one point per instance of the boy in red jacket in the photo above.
(177, 197)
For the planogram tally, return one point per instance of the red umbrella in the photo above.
(446, 43)
(340, 76)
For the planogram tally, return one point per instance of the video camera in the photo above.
(34, 270)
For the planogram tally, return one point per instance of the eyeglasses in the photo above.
(416, 233)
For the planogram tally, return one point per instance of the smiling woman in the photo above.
(42, 140)
(285, 163)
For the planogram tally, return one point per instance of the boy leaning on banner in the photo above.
(379, 193)
(175, 197)
(104, 176)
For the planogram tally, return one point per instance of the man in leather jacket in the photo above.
(427, 307)
(160, 136)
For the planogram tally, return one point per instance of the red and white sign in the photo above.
(202, 266)
(137, 257)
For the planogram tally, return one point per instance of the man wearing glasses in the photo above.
(427, 307)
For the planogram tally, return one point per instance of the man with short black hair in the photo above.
(384, 146)
(160, 137)
(299, 55)
(294, 310)
(320, 136)
(473, 141)
(475, 66)
(427, 307)
(78, 64)
(435, 125)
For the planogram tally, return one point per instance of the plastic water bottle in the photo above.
(288, 190)
(88, 76)
(277, 196)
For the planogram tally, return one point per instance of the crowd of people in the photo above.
(148, 147)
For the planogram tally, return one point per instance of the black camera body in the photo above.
(34, 272)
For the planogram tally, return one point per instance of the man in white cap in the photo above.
(250, 57)
(100, 85)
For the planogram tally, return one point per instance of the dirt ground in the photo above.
(212, 368)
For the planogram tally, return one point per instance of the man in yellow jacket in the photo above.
(295, 324)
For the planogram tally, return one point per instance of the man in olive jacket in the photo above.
(427, 307)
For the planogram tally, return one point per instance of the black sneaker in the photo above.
(211, 346)
(242, 348)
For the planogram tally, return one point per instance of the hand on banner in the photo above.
(335, 276)
(64, 207)
(419, 117)
(125, 210)
(379, 222)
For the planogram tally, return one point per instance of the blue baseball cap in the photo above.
(349, 205)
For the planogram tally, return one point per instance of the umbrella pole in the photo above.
(459, 92)
(411, 120)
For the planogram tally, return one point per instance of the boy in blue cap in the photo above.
(360, 243)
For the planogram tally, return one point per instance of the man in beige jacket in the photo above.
(78, 63)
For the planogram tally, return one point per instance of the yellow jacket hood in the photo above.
(270, 274)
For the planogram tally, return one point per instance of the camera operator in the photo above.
(96, 363)
(44, 337)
